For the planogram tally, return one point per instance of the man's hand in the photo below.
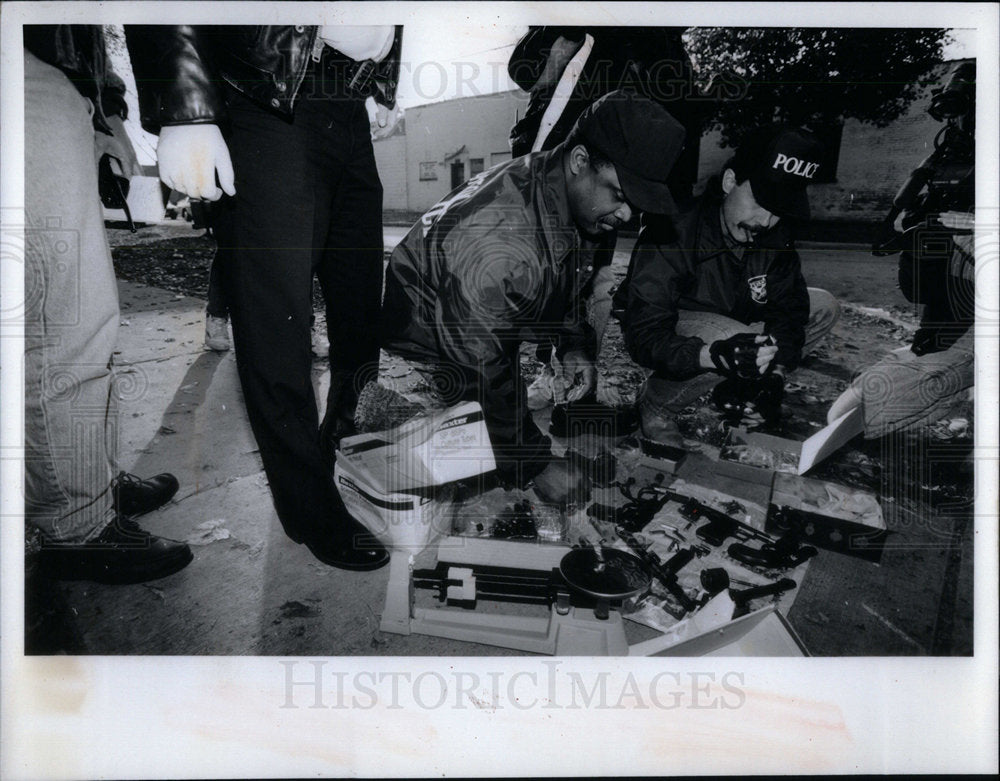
(562, 482)
(189, 156)
(580, 375)
(742, 355)
(386, 119)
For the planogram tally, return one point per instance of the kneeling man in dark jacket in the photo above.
(720, 289)
(509, 257)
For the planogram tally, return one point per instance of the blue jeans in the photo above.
(71, 316)
(904, 391)
(662, 398)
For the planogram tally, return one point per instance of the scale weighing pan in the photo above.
(622, 575)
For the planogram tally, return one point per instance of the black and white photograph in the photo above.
(392, 389)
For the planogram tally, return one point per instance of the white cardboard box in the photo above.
(400, 521)
(429, 450)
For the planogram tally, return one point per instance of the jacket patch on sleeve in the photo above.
(758, 288)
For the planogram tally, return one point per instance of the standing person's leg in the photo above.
(71, 316)
(217, 310)
(350, 267)
(265, 232)
(269, 228)
(71, 328)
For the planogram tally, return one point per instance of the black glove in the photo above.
(737, 355)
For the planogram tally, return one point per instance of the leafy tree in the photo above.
(813, 77)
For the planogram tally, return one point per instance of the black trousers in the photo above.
(308, 202)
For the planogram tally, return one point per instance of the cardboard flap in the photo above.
(830, 439)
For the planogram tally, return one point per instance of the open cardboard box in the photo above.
(756, 457)
(763, 632)
(827, 515)
(429, 450)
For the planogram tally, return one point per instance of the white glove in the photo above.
(189, 156)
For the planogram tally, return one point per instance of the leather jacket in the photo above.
(178, 69)
(500, 260)
(78, 50)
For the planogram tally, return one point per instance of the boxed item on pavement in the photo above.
(429, 450)
(827, 515)
(408, 521)
(713, 632)
(755, 457)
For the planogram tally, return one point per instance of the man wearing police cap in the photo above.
(720, 289)
(509, 257)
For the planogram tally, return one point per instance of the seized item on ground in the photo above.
(720, 526)
(833, 517)
(656, 455)
(590, 417)
(601, 470)
(506, 571)
(737, 397)
(515, 522)
(664, 572)
(786, 553)
(605, 573)
(756, 456)
(742, 598)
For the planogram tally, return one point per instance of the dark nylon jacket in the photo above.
(648, 60)
(78, 50)
(499, 261)
(689, 266)
(177, 69)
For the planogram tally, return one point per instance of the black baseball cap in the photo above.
(780, 162)
(642, 140)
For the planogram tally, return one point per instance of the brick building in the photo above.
(443, 144)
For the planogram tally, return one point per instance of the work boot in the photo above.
(216, 333)
(135, 496)
(122, 553)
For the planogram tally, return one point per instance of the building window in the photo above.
(498, 157)
(428, 172)
(475, 166)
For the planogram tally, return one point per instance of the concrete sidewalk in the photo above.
(250, 590)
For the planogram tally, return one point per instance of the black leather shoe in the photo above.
(352, 548)
(135, 496)
(123, 553)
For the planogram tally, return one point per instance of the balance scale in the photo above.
(582, 621)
